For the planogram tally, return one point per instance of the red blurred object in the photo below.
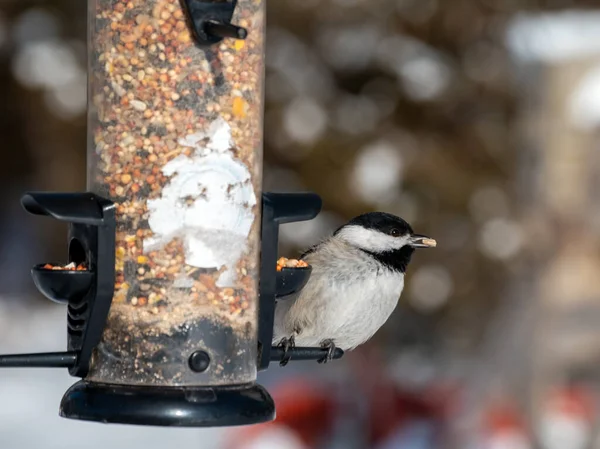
(308, 409)
(303, 409)
(503, 417)
(572, 400)
(504, 427)
(402, 408)
(567, 417)
(391, 406)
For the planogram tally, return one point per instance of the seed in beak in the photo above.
(422, 241)
(429, 242)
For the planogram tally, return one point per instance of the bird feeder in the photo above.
(170, 281)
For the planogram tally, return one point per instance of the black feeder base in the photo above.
(175, 407)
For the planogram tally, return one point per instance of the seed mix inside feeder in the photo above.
(172, 274)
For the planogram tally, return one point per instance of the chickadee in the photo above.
(356, 281)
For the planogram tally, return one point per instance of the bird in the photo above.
(356, 282)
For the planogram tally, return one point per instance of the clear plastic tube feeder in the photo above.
(175, 141)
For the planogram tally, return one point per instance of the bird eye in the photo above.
(394, 232)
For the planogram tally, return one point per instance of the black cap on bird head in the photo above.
(388, 238)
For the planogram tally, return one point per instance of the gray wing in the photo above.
(282, 307)
(300, 310)
(302, 315)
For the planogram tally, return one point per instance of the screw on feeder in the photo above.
(199, 361)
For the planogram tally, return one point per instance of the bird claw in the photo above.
(330, 346)
(286, 344)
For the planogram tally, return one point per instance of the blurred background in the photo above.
(475, 120)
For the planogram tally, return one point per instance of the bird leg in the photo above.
(286, 344)
(330, 346)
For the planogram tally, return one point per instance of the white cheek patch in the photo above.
(371, 240)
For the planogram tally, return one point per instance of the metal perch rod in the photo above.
(43, 360)
(303, 353)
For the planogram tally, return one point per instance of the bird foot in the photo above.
(286, 344)
(330, 346)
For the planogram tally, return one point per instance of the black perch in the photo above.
(43, 360)
(302, 353)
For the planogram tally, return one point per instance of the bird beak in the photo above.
(422, 241)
